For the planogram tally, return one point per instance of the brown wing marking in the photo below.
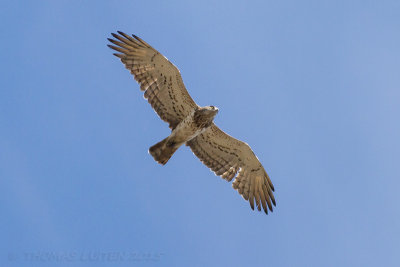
(158, 78)
(230, 158)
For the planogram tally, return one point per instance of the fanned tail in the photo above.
(163, 151)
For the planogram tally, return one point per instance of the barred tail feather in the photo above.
(163, 151)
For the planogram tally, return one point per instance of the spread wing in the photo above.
(230, 158)
(160, 80)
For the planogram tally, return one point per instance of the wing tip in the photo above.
(118, 55)
(251, 205)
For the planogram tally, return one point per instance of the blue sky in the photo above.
(312, 86)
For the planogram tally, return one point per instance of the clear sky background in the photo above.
(312, 86)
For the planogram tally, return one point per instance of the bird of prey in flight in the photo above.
(191, 124)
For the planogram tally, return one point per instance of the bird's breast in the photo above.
(187, 129)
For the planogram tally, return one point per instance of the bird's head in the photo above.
(206, 114)
(210, 111)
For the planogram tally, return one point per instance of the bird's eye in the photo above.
(212, 107)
